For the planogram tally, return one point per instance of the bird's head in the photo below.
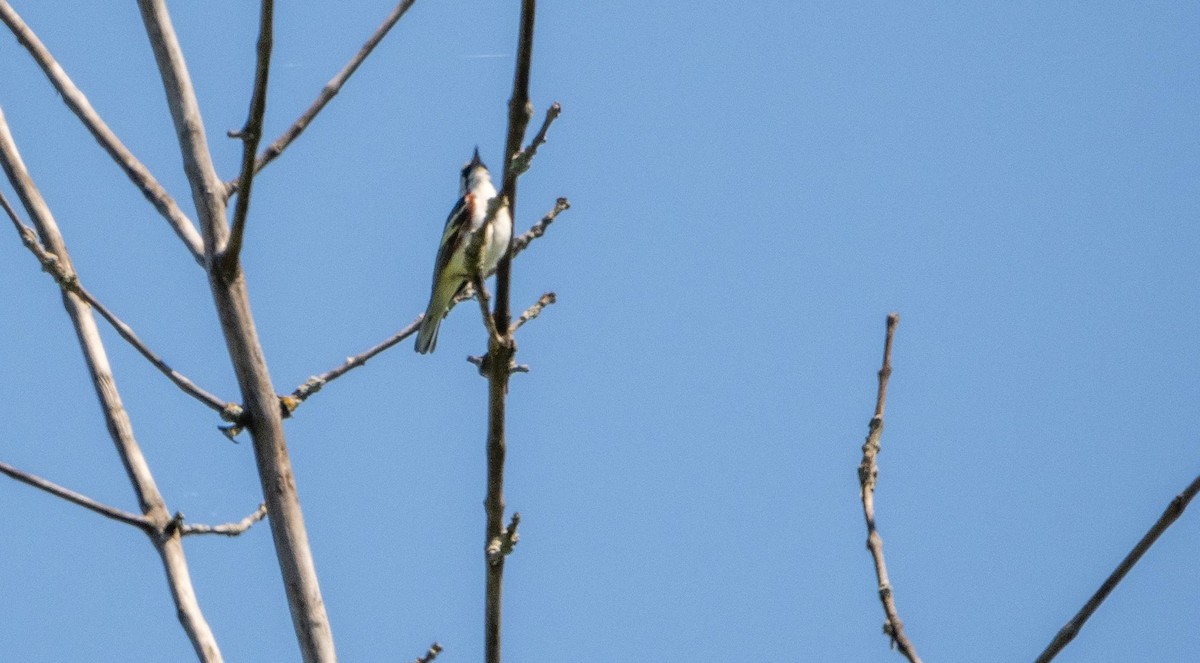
(473, 173)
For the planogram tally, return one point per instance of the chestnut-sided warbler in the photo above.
(451, 272)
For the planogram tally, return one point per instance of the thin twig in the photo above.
(533, 311)
(78, 103)
(70, 282)
(316, 382)
(1169, 516)
(521, 241)
(430, 655)
(327, 93)
(227, 529)
(868, 472)
(84, 501)
(524, 158)
(251, 134)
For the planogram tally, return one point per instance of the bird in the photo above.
(450, 270)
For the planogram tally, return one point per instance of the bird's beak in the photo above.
(475, 160)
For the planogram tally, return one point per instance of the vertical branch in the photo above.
(250, 134)
(259, 401)
(868, 472)
(120, 429)
(519, 112)
(501, 349)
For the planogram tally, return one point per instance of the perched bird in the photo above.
(451, 272)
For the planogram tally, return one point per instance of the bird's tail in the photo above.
(427, 336)
(439, 306)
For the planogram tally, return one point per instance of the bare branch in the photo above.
(502, 349)
(519, 112)
(259, 400)
(430, 655)
(251, 134)
(533, 311)
(316, 382)
(1169, 516)
(70, 282)
(207, 189)
(78, 103)
(228, 529)
(327, 93)
(522, 241)
(120, 429)
(525, 157)
(868, 472)
(84, 501)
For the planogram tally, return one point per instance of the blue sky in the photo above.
(753, 190)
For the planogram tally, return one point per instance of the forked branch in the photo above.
(141, 522)
(260, 404)
(327, 93)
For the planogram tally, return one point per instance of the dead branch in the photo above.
(501, 347)
(525, 157)
(120, 429)
(80, 499)
(227, 529)
(521, 241)
(868, 472)
(70, 282)
(533, 311)
(250, 134)
(79, 104)
(327, 93)
(259, 403)
(1169, 516)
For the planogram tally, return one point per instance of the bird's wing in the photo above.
(454, 234)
